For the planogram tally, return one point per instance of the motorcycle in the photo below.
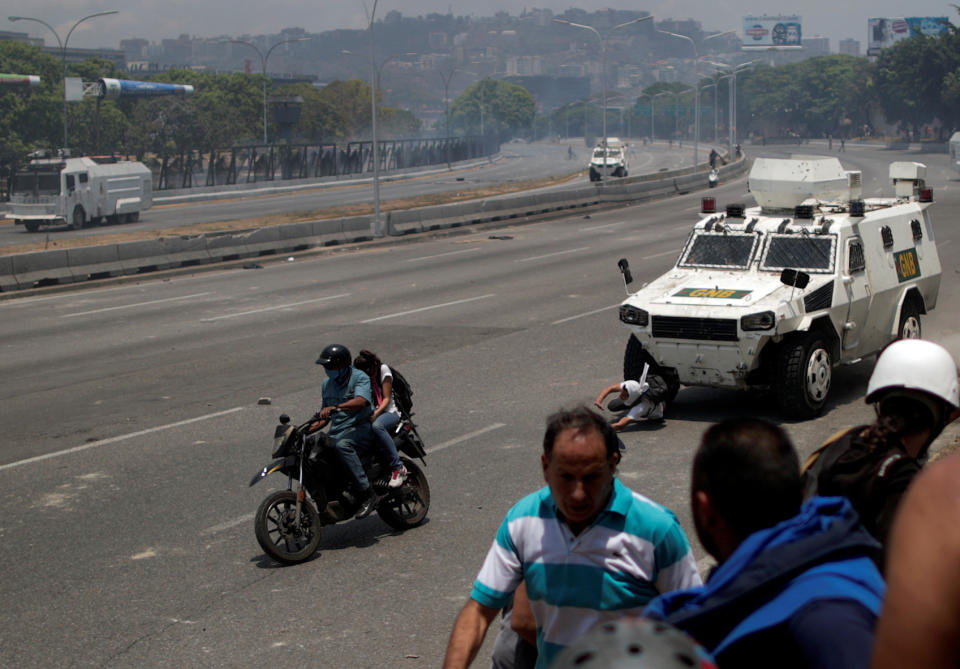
(320, 492)
(713, 178)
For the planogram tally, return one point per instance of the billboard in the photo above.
(886, 31)
(772, 31)
(115, 88)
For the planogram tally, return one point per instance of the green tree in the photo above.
(494, 106)
(909, 79)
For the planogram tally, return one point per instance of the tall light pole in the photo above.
(603, 69)
(732, 97)
(445, 77)
(264, 57)
(696, 88)
(63, 53)
(375, 229)
(652, 98)
(713, 85)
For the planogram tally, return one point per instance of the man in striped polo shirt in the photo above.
(588, 548)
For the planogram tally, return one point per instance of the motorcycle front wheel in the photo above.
(407, 507)
(280, 535)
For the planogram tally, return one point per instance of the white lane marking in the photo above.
(274, 308)
(465, 437)
(137, 304)
(122, 437)
(550, 255)
(434, 306)
(228, 524)
(583, 315)
(441, 255)
(601, 227)
(247, 517)
(660, 255)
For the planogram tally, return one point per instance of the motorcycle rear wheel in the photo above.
(277, 534)
(408, 506)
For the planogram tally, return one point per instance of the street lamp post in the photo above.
(63, 53)
(603, 69)
(696, 88)
(264, 57)
(732, 97)
(445, 77)
(652, 127)
(375, 228)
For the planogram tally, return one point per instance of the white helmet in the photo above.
(915, 364)
(634, 643)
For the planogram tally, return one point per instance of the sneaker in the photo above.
(368, 505)
(398, 477)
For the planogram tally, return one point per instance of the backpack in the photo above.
(402, 392)
(844, 466)
(658, 391)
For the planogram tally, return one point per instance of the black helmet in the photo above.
(334, 356)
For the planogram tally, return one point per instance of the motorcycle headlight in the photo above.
(633, 316)
(764, 320)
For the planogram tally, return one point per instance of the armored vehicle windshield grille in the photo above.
(719, 249)
(821, 298)
(804, 252)
(710, 329)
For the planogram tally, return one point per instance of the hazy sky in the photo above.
(156, 19)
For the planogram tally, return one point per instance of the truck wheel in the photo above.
(31, 226)
(804, 372)
(79, 219)
(134, 217)
(634, 358)
(909, 320)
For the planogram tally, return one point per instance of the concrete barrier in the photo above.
(186, 250)
(41, 266)
(296, 237)
(226, 246)
(404, 221)
(327, 232)
(8, 281)
(261, 241)
(356, 228)
(145, 256)
(94, 261)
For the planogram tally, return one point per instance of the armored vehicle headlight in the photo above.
(760, 321)
(634, 316)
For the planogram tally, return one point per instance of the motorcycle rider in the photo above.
(347, 408)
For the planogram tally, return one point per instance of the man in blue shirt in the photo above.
(347, 399)
(587, 547)
(796, 586)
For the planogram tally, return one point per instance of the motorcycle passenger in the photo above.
(386, 416)
(346, 407)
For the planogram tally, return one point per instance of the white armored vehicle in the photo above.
(609, 159)
(776, 296)
(78, 191)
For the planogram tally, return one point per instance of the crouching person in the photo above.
(795, 583)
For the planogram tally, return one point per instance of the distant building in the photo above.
(816, 46)
(849, 46)
(20, 37)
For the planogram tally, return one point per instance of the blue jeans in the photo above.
(347, 446)
(383, 427)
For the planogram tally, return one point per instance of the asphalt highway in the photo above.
(132, 425)
(517, 162)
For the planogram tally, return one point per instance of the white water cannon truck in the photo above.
(79, 191)
(775, 296)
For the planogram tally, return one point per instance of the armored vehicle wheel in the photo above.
(79, 219)
(909, 320)
(31, 226)
(633, 359)
(804, 372)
